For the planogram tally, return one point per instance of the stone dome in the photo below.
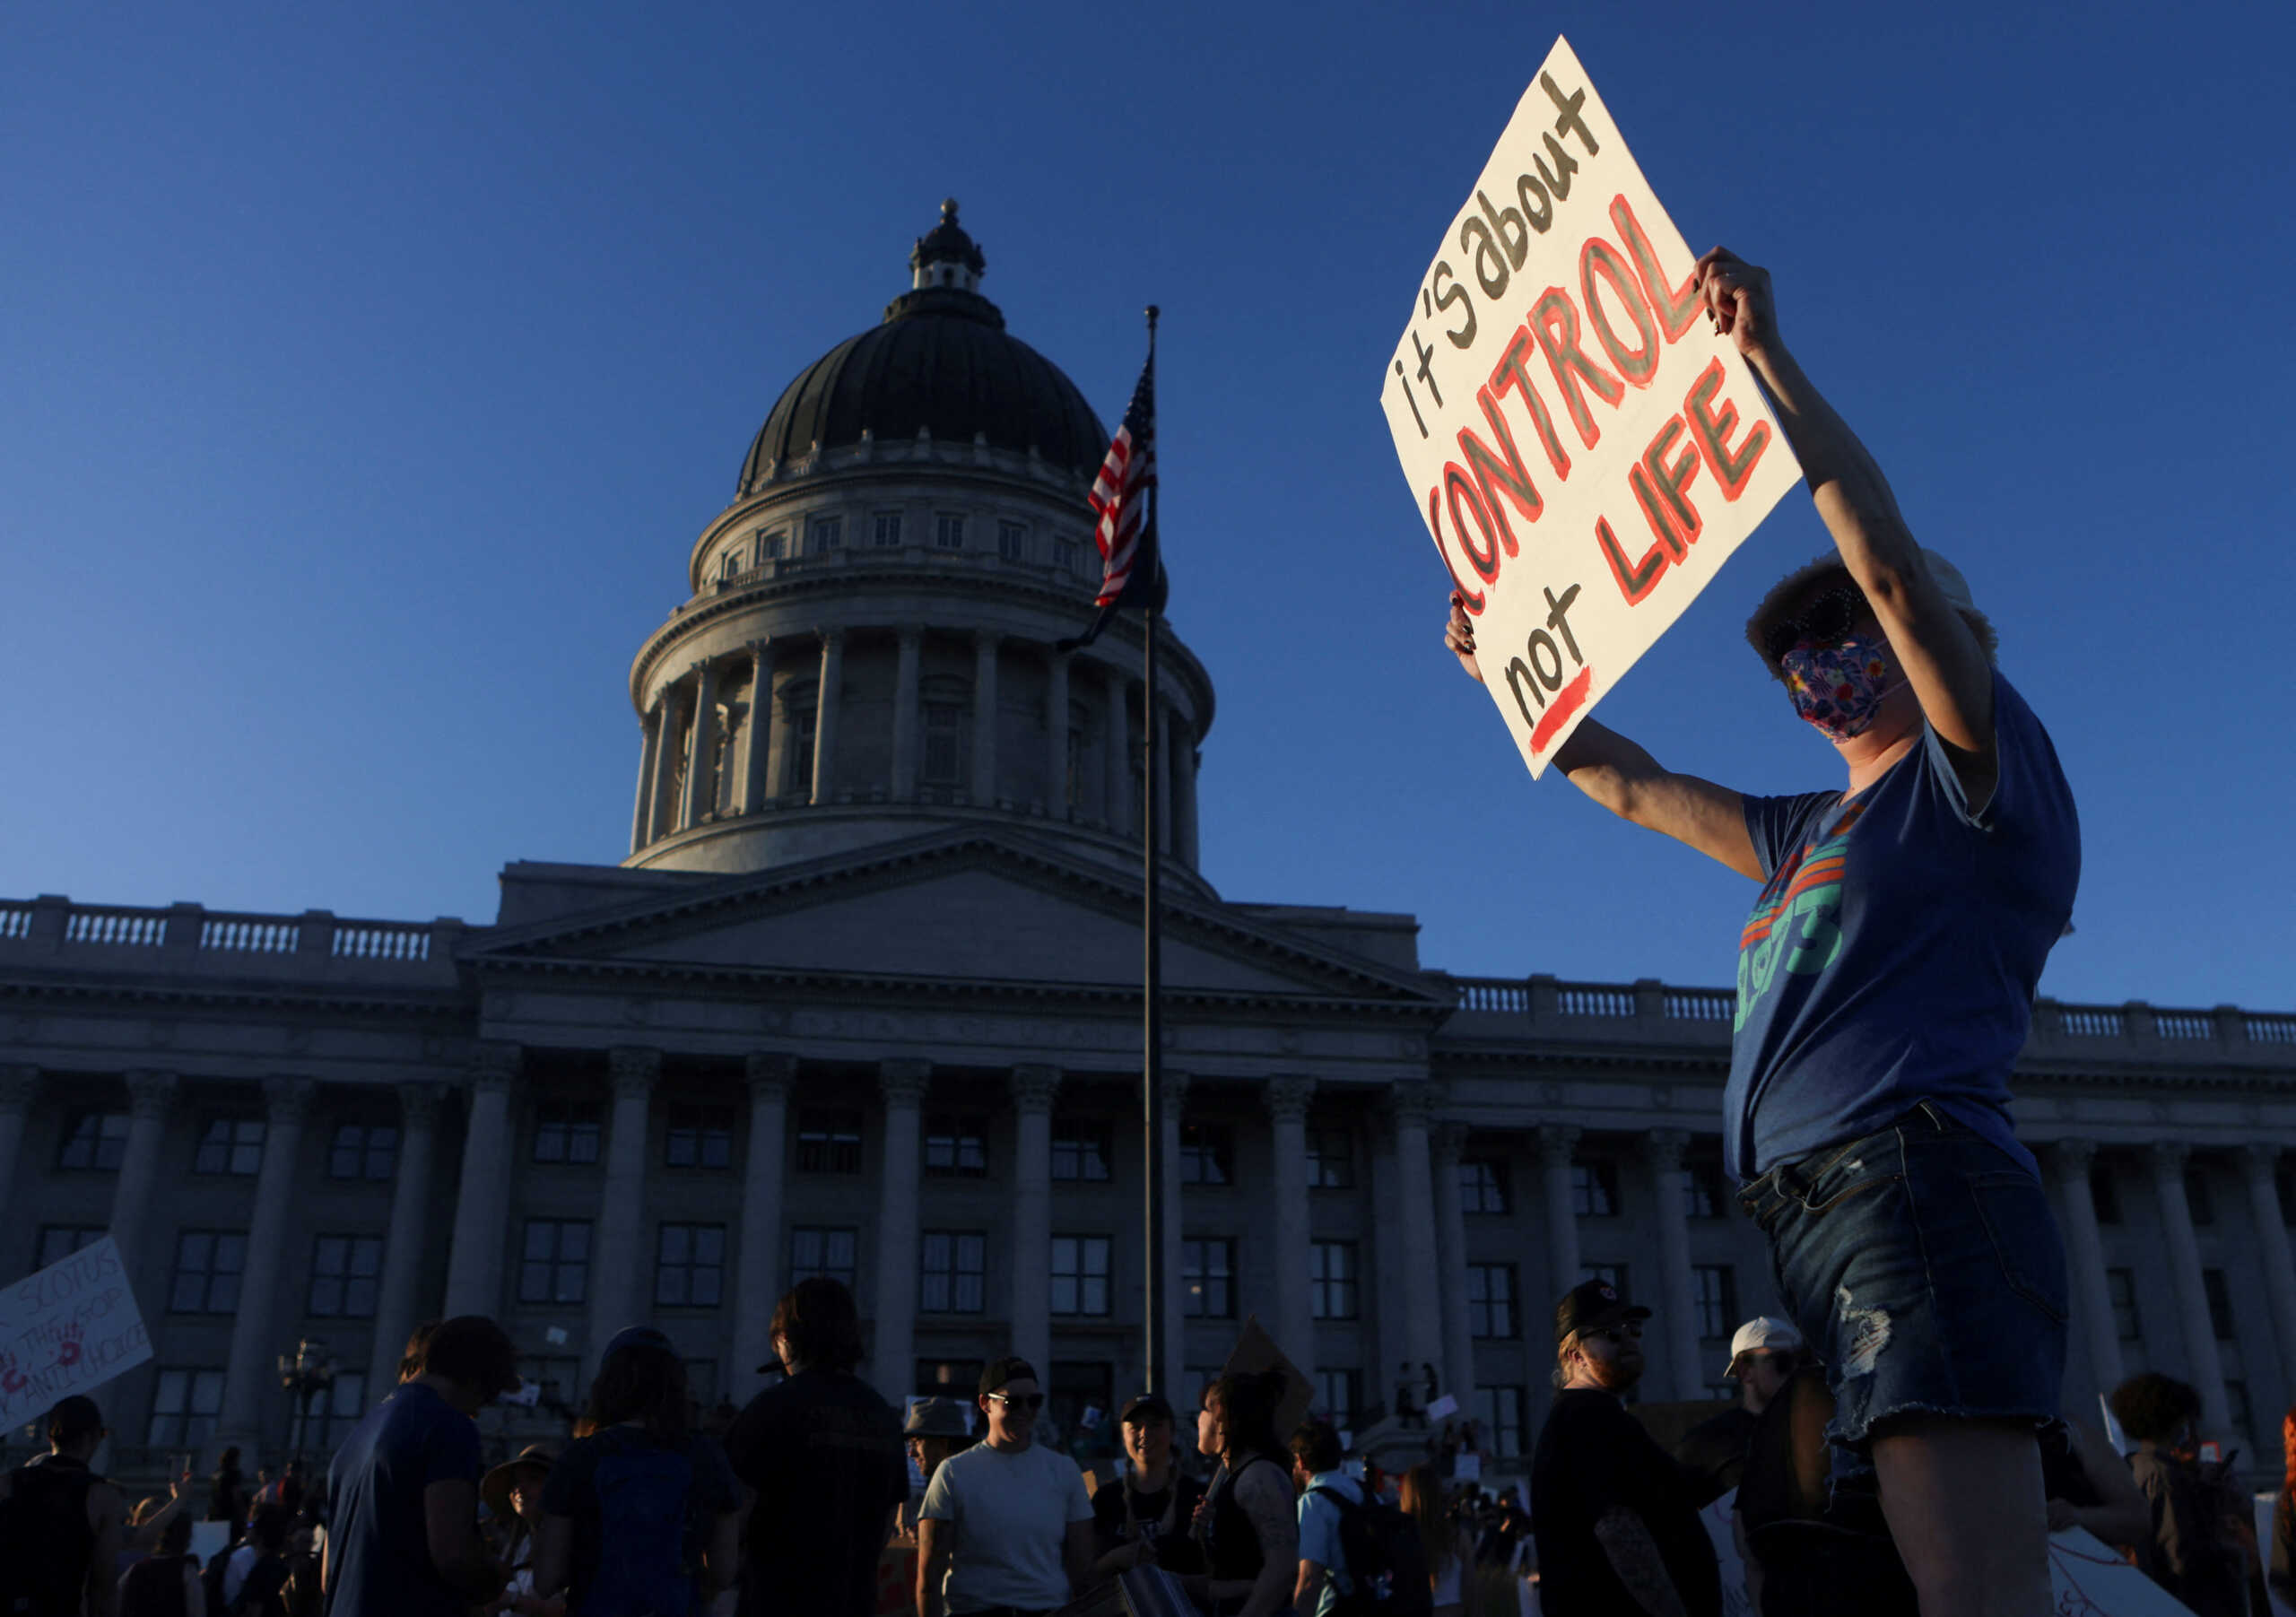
(941, 363)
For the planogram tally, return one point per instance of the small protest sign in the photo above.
(67, 1329)
(1585, 449)
(1443, 1408)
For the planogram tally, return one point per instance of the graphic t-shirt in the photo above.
(824, 1453)
(380, 1542)
(1177, 1552)
(1009, 1513)
(1591, 1458)
(1893, 954)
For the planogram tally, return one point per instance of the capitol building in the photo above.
(863, 1000)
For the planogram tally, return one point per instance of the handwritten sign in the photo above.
(1585, 449)
(69, 1329)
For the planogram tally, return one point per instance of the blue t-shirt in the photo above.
(378, 1539)
(1894, 952)
(1319, 1534)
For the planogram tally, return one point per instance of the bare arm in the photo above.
(2121, 1515)
(933, 1546)
(451, 1532)
(1634, 1557)
(1265, 1493)
(1310, 1586)
(106, 1515)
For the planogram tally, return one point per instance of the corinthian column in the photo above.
(1410, 1105)
(662, 810)
(1558, 1144)
(619, 1245)
(482, 1202)
(149, 1097)
(2071, 1162)
(984, 719)
(757, 1283)
(1056, 726)
(18, 1086)
(2260, 1163)
(701, 776)
(759, 747)
(1286, 1098)
(911, 641)
(826, 695)
(2169, 1159)
(248, 1373)
(1449, 1142)
(1033, 1089)
(1663, 1150)
(650, 729)
(1115, 753)
(894, 1361)
(395, 1295)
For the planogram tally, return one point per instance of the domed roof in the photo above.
(941, 360)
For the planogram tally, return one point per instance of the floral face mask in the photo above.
(1840, 688)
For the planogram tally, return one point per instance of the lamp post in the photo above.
(308, 1373)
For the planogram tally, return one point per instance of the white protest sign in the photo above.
(1443, 1406)
(1585, 448)
(1737, 1601)
(67, 1329)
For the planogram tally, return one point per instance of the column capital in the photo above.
(771, 1073)
(699, 667)
(1411, 1102)
(494, 1065)
(1558, 1143)
(2261, 1158)
(1664, 1147)
(1175, 1089)
(288, 1100)
(18, 1086)
(909, 635)
(635, 1070)
(2169, 1156)
(1287, 1096)
(831, 637)
(986, 639)
(1448, 1143)
(151, 1094)
(904, 1082)
(1033, 1086)
(2075, 1157)
(419, 1102)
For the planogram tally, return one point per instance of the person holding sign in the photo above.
(1885, 984)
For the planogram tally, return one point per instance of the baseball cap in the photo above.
(636, 1335)
(1011, 1368)
(1764, 1332)
(1141, 1408)
(1590, 1306)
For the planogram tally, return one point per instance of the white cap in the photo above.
(1762, 1334)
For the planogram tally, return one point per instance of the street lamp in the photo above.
(311, 1373)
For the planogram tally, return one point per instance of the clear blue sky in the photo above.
(369, 373)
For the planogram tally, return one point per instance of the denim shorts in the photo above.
(1923, 1264)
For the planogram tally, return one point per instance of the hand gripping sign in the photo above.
(1586, 449)
(69, 1329)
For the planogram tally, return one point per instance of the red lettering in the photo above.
(1456, 482)
(1635, 580)
(1509, 373)
(1659, 487)
(1637, 365)
(1492, 473)
(1677, 307)
(1573, 698)
(1710, 429)
(1555, 322)
(1469, 597)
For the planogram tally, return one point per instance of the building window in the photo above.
(955, 1148)
(829, 1143)
(344, 1276)
(822, 1253)
(729, 565)
(1207, 1279)
(2120, 1285)
(1482, 1185)
(363, 1150)
(827, 533)
(1207, 1155)
(554, 1263)
(1078, 1386)
(1491, 1302)
(1715, 1289)
(800, 720)
(2102, 1192)
(1594, 1190)
(60, 1241)
(185, 1403)
(690, 1265)
(1331, 1280)
(1331, 1160)
(1613, 1274)
(229, 1145)
(1501, 1409)
(1701, 1191)
(566, 1132)
(1012, 542)
(887, 530)
(1339, 1393)
(206, 1278)
(945, 743)
(1081, 1150)
(2197, 1196)
(1064, 555)
(771, 545)
(2220, 1302)
(1079, 1274)
(94, 1140)
(699, 1136)
(337, 1408)
(953, 1271)
(948, 532)
(559, 1381)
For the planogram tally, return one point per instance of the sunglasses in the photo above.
(1823, 621)
(1617, 1334)
(1033, 1403)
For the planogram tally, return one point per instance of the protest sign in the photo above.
(1585, 448)
(67, 1329)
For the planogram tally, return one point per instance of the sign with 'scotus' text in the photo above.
(1585, 448)
(69, 1329)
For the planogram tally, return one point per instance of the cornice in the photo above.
(434, 1002)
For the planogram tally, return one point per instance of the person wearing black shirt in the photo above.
(1763, 1357)
(1617, 1532)
(1144, 1518)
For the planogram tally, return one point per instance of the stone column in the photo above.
(661, 816)
(395, 1313)
(19, 1087)
(1055, 728)
(1449, 1141)
(984, 719)
(618, 1245)
(1115, 752)
(825, 704)
(2071, 1161)
(1184, 828)
(1558, 1145)
(1286, 1098)
(150, 1095)
(248, 1373)
(1033, 1088)
(700, 792)
(910, 641)
(483, 1200)
(1174, 1347)
(1677, 1299)
(1160, 716)
(757, 1283)
(892, 1360)
(2260, 1163)
(648, 758)
(2169, 1159)
(1412, 1105)
(756, 786)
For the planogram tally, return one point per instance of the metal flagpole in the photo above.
(1151, 1020)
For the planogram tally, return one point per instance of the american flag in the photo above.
(1120, 494)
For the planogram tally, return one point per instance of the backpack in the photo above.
(45, 1540)
(1386, 1561)
(649, 1555)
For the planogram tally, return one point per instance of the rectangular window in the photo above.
(567, 1132)
(952, 1270)
(229, 1145)
(185, 1402)
(1080, 1275)
(2197, 1196)
(771, 546)
(816, 1252)
(1339, 1393)
(1012, 542)
(1491, 1302)
(1715, 1291)
(363, 1150)
(1501, 1409)
(1207, 1279)
(1207, 1155)
(948, 532)
(93, 1140)
(1331, 1160)
(1064, 555)
(1082, 1151)
(956, 1148)
(699, 1136)
(887, 526)
(554, 1263)
(206, 1277)
(345, 1270)
(729, 565)
(60, 1241)
(1614, 1274)
(2220, 1302)
(2120, 1285)
(1331, 1280)
(945, 743)
(797, 752)
(1594, 1190)
(690, 1265)
(827, 533)
(2102, 1194)
(1701, 1191)
(336, 1410)
(829, 1143)
(1482, 1185)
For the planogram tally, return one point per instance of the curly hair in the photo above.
(2151, 1406)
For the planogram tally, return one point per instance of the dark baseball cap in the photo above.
(1141, 1408)
(1590, 1306)
(996, 1372)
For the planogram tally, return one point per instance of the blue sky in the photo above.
(368, 374)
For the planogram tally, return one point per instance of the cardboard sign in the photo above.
(67, 1329)
(1736, 1600)
(1442, 1407)
(1585, 449)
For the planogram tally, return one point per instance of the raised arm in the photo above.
(1634, 1556)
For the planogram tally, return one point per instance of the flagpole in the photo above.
(1151, 1023)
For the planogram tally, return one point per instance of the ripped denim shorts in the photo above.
(1924, 1266)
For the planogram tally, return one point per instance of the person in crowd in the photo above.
(1247, 1522)
(643, 1517)
(1616, 1530)
(2280, 1572)
(1324, 1491)
(1006, 1526)
(2090, 1486)
(1449, 1545)
(256, 1580)
(227, 1490)
(284, 1492)
(1764, 1354)
(165, 1582)
(822, 1454)
(512, 1495)
(418, 1345)
(62, 1524)
(1886, 979)
(306, 1561)
(932, 1430)
(402, 1539)
(1813, 1548)
(149, 1520)
(240, 1562)
(2188, 1548)
(1144, 1518)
